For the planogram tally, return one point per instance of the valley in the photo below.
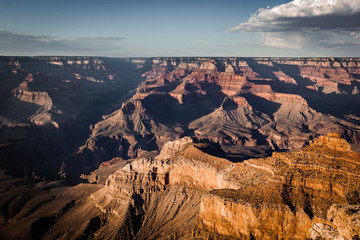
(262, 103)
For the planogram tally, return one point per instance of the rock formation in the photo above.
(175, 157)
(264, 103)
(279, 103)
(185, 193)
(48, 103)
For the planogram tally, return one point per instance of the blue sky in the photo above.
(132, 28)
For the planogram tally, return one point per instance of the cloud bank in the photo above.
(302, 22)
(32, 44)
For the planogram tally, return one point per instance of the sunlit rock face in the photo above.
(288, 195)
(184, 192)
(332, 141)
(244, 220)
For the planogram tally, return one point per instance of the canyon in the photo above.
(186, 193)
(266, 103)
(48, 103)
(179, 148)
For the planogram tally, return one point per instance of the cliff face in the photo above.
(280, 103)
(43, 115)
(185, 193)
(284, 196)
(244, 220)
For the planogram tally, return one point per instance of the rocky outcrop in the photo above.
(39, 98)
(185, 192)
(346, 219)
(257, 221)
(43, 115)
(323, 231)
(287, 196)
(126, 133)
(173, 147)
(343, 223)
(332, 141)
(232, 123)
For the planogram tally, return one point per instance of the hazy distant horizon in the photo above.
(126, 57)
(140, 28)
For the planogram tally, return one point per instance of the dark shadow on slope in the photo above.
(263, 70)
(195, 105)
(261, 140)
(170, 86)
(334, 104)
(41, 226)
(345, 88)
(136, 213)
(294, 72)
(169, 67)
(338, 105)
(43, 149)
(355, 75)
(232, 153)
(242, 153)
(220, 64)
(229, 104)
(211, 148)
(261, 104)
(355, 147)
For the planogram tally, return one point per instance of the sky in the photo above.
(152, 28)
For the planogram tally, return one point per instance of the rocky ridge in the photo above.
(280, 197)
(186, 193)
(280, 103)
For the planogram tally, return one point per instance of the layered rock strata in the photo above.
(185, 193)
(280, 103)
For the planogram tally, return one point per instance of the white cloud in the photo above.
(32, 44)
(298, 12)
(280, 41)
(300, 22)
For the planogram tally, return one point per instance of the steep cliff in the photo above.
(185, 193)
